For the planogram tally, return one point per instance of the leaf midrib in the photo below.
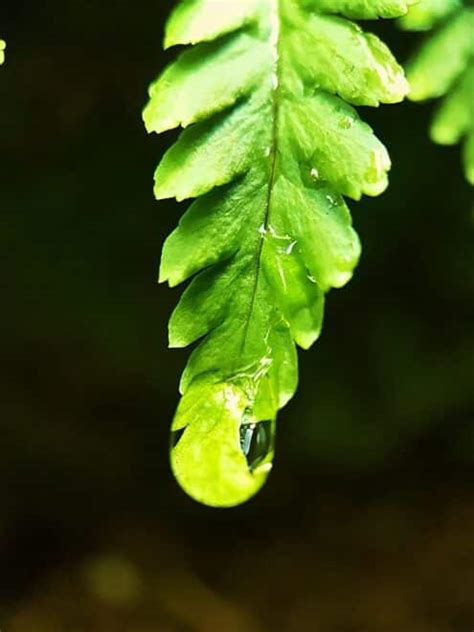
(274, 39)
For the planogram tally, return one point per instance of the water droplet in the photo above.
(272, 231)
(176, 436)
(314, 173)
(332, 200)
(262, 368)
(290, 248)
(346, 122)
(256, 441)
(262, 230)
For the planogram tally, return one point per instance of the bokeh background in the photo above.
(366, 524)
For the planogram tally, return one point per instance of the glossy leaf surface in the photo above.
(444, 67)
(272, 145)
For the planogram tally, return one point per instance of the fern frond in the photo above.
(272, 144)
(425, 14)
(444, 67)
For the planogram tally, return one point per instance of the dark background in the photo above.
(366, 523)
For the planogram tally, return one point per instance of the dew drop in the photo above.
(332, 200)
(256, 441)
(289, 249)
(346, 122)
(314, 173)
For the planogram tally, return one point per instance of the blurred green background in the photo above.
(366, 522)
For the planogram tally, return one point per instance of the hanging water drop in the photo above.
(256, 442)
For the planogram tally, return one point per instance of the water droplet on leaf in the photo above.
(346, 122)
(332, 200)
(256, 441)
(290, 247)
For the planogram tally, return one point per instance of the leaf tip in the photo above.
(220, 456)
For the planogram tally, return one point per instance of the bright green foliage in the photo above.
(444, 66)
(271, 147)
(423, 15)
(2, 51)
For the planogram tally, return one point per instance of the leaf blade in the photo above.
(269, 153)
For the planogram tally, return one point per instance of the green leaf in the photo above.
(444, 66)
(2, 51)
(196, 21)
(272, 145)
(443, 58)
(427, 13)
(453, 119)
(361, 9)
